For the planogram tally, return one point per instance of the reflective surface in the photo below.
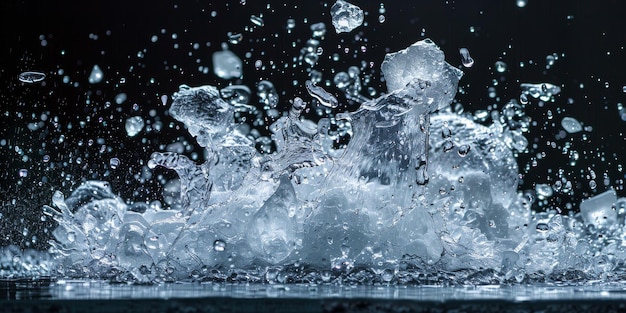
(199, 297)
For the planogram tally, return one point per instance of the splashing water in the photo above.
(418, 191)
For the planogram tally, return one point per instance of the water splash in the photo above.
(416, 191)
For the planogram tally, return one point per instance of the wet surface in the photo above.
(69, 296)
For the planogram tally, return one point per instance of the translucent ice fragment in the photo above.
(598, 210)
(134, 125)
(466, 59)
(273, 229)
(543, 91)
(96, 75)
(324, 97)
(226, 64)
(31, 77)
(205, 114)
(571, 125)
(423, 60)
(346, 16)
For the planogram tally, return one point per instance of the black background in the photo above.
(588, 36)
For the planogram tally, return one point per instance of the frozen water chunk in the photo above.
(134, 125)
(96, 75)
(227, 65)
(346, 16)
(543, 91)
(423, 60)
(204, 113)
(598, 210)
(571, 125)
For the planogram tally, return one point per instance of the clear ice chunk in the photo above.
(425, 61)
(134, 125)
(599, 211)
(227, 65)
(274, 228)
(345, 16)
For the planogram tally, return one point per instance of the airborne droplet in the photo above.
(31, 77)
(466, 59)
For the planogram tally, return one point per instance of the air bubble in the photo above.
(219, 245)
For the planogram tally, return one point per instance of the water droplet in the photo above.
(523, 99)
(235, 38)
(31, 77)
(96, 75)
(318, 29)
(500, 67)
(120, 98)
(114, 163)
(23, 172)
(466, 59)
(257, 21)
(571, 125)
(542, 227)
(464, 150)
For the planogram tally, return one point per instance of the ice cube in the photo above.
(598, 210)
(346, 16)
(134, 125)
(423, 60)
